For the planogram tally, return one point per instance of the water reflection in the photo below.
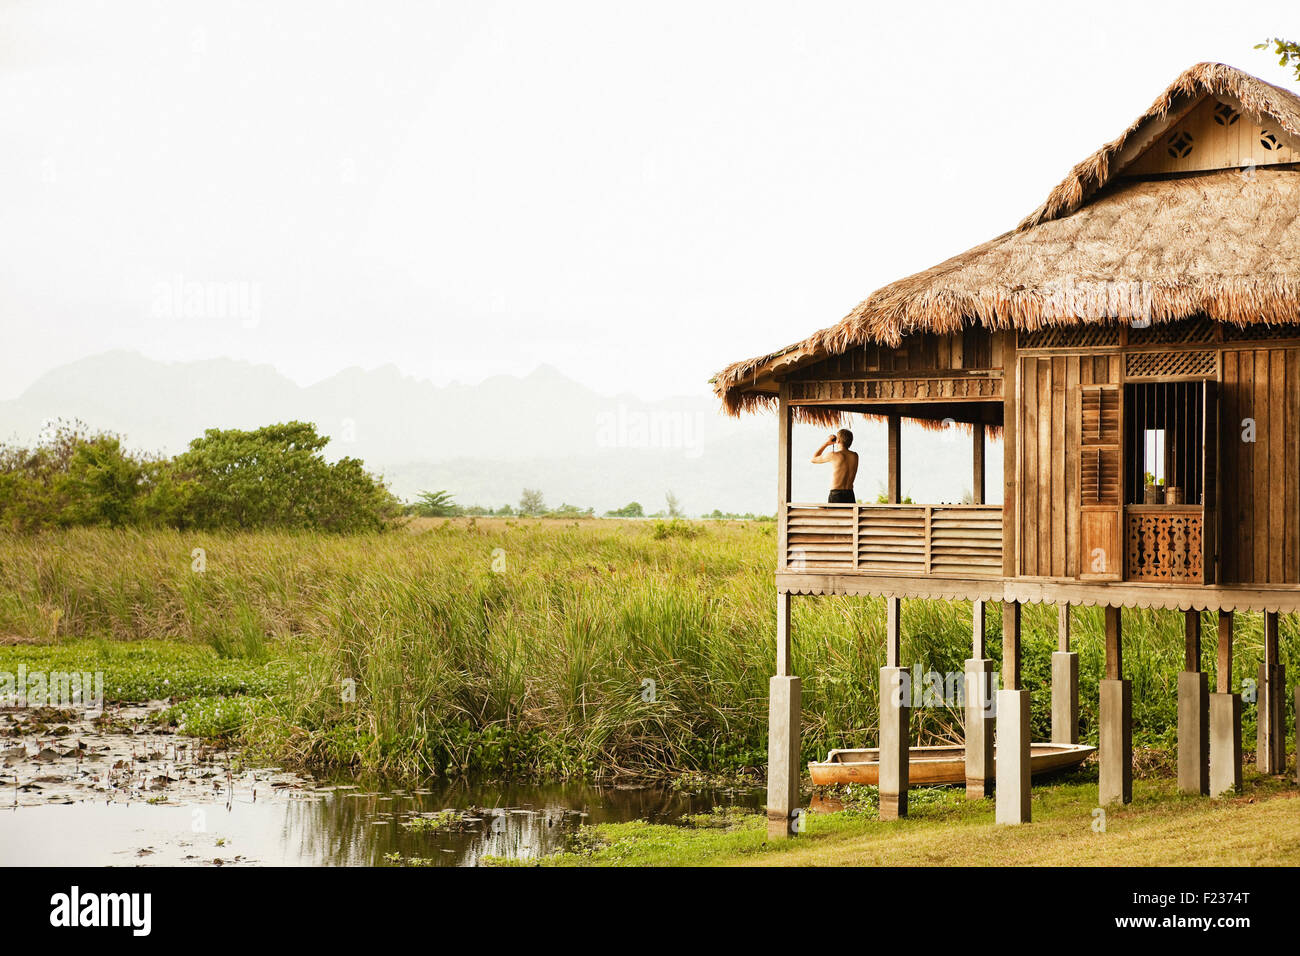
(344, 824)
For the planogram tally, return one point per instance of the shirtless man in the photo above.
(844, 466)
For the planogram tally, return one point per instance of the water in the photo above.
(336, 826)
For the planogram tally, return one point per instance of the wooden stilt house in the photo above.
(1136, 341)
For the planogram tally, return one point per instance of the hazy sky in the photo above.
(637, 194)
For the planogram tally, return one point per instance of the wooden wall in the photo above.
(1047, 520)
(972, 348)
(1261, 480)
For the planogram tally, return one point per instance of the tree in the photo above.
(531, 502)
(275, 476)
(437, 504)
(1288, 53)
(674, 506)
(632, 509)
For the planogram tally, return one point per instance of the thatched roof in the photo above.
(1101, 248)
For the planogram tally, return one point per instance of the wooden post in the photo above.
(1010, 645)
(977, 613)
(1193, 713)
(783, 474)
(1225, 719)
(1115, 730)
(1010, 392)
(977, 476)
(893, 464)
(893, 631)
(783, 634)
(1270, 740)
(1065, 683)
(1012, 795)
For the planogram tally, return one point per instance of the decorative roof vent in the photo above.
(1180, 144)
(1225, 115)
(1268, 139)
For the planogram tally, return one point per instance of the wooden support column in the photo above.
(1193, 713)
(1225, 719)
(1065, 683)
(977, 476)
(979, 706)
(785, 703)
(1115, 731)
(895, 718)
(1012, 796)
(1270, 741)
(894, 473)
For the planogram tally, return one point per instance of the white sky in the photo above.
(637, 194)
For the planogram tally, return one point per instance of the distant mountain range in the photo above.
(484, 443)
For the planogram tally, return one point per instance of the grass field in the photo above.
(516, 647)
(1261, 827)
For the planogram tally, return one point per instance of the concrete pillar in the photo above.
(1065, 684)
(1193, 712)
(1270, 740)
(1115, 743)
(1012, 764)
(783, 757)
(1225, 744)
(1194, 732)
(1115, 730)
(1011, 804)
(1225, 718)
(980, 725)
(1065, 698)
(895, 715)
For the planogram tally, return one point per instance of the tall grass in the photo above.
(528, 647)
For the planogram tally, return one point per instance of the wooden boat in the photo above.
(930, 766)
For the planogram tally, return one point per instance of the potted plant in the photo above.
(1154, 492)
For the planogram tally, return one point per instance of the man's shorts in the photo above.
(841, 496)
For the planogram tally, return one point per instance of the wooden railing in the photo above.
(943, 540)
(1165, 543)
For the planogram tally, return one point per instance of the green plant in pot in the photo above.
(1154, 491)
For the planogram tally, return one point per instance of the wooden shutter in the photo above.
(1101, 488)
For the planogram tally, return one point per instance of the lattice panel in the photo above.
(1260, 332)
(1070, 337)
(898, 389)
(1158, 364)
(1165, 333)
(1165, 546)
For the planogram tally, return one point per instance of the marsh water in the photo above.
(127, 793)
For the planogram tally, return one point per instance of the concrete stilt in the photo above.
(1012, 765)
(1225, 744)
(895, 715)
(1194, 732)
(1115, 750)
(980, 725)
(1011, 803)
(1065, 698)
(1193, 713)
(1270, 741)
(783, 759)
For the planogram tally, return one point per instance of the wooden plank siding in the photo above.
(1261, 479)
(972, 349)
(1047, 518)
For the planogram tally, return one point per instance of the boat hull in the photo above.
(933, 766)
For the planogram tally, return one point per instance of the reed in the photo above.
(540, 647)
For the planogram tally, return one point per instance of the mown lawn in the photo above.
(1260, 827)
